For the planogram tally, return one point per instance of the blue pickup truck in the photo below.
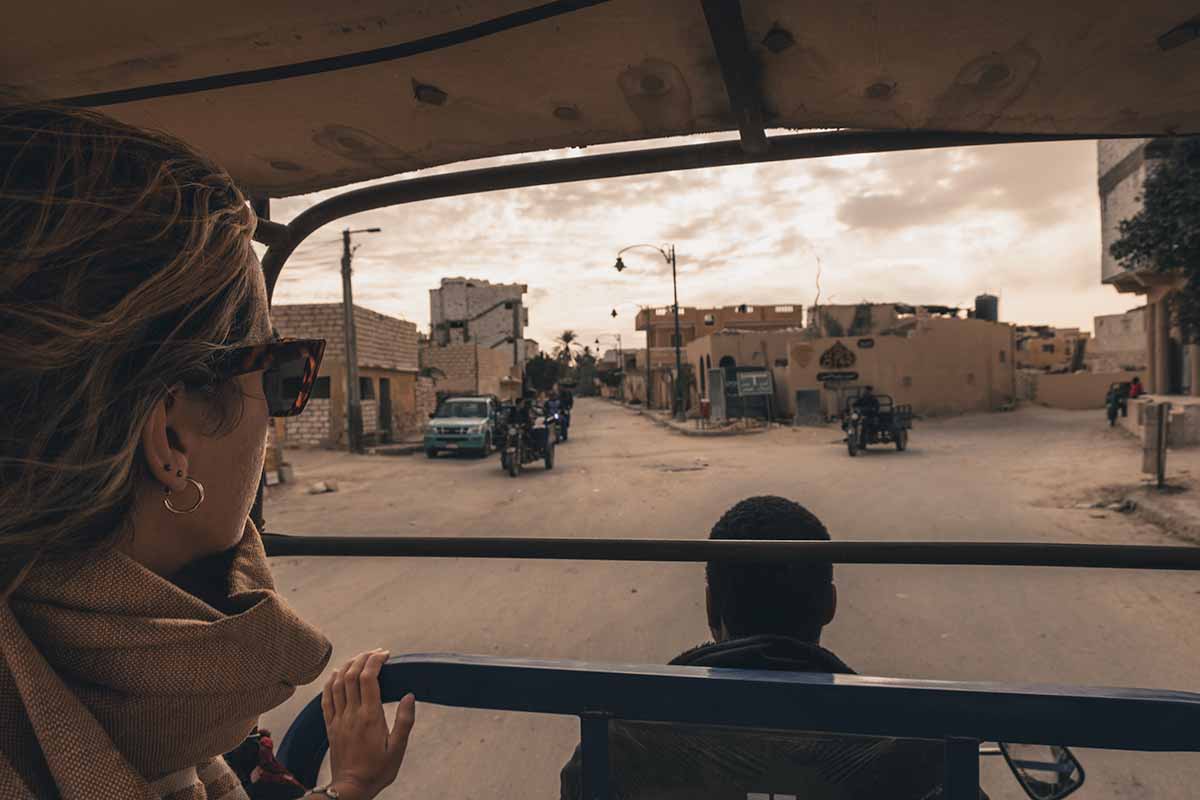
(462, 424)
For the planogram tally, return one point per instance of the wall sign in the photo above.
(837, 377)
(837, 357)
(754, 383)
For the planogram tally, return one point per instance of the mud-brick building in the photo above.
(387, 375)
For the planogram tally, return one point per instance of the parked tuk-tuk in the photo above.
(302, 97)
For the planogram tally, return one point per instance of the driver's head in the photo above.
(794, 599)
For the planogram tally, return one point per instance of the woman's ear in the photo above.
(165, 458)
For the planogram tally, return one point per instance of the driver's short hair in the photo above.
(770, 598)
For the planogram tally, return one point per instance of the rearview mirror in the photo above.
(1045, 772)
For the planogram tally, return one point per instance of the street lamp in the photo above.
(669, 256)
(354, 418)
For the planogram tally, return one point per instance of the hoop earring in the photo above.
(199, 488)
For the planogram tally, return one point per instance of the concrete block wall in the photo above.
(456, 362)
(384, 342)
(312, 428)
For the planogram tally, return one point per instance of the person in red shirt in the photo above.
(1135, 388)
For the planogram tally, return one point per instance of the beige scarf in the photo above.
(112, 678)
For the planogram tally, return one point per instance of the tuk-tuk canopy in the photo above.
(294, 96)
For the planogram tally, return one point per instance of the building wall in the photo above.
(468, 368)
(457, 301)
(1077, 390)
(695, 323)
(1119, 343)
(747, 349)
(835, 318)
(312, 428)
(383, 341)
(944, 366)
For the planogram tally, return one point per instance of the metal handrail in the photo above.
(960, 713)
(1011, 554)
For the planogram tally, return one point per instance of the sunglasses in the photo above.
(289, 368)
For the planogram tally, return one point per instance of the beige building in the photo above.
(938, 365)
(1045, 347)
(694, 323)
(387, 374)
(734, 347)
(1174, 368)
(470, 311)
(860, 319)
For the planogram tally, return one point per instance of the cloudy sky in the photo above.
(934, 226)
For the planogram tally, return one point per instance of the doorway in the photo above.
(386, 421)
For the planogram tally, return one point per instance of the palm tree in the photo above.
(565, 340)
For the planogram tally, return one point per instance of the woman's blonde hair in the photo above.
(125, 268)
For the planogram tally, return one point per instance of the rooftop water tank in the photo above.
(987, 306)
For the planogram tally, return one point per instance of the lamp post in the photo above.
(353, 396)
(669, 256)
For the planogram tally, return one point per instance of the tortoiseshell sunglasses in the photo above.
(289, 371)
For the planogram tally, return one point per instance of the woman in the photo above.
(140, 632)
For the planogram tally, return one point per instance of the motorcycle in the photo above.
(526, 442)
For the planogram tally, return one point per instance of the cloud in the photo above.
(932, 226)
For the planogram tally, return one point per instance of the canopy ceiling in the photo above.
(440, 82)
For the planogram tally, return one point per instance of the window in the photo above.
(1003, 356)
(1047, 348)
(702, 379)
(970, 379)
(907, 381)
(709, 319)
(366, 389)
(320, 390)
(781, 362)
(785, 309)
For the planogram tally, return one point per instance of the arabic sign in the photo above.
(837, 357)
(754, 383)
(837, 377)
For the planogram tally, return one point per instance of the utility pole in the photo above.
(678, 344)
(353, 396)
(518, 343)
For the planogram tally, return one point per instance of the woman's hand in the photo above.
(364, 756)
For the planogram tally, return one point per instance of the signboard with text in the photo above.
(754, 383)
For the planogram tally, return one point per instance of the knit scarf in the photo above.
(113, 678)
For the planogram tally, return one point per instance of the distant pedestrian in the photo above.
(1135, 388)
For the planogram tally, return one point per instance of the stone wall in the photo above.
(370, 415)
(426, 393)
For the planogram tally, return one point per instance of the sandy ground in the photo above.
(1003, 477)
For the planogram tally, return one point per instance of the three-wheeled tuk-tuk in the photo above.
(878, 420)
(303, 96)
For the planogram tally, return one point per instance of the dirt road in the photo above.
(1005, 477)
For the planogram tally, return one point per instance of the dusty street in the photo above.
(1001, 477)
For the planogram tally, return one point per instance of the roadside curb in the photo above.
(403, 449)
(684, 428)
(1173, 517)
